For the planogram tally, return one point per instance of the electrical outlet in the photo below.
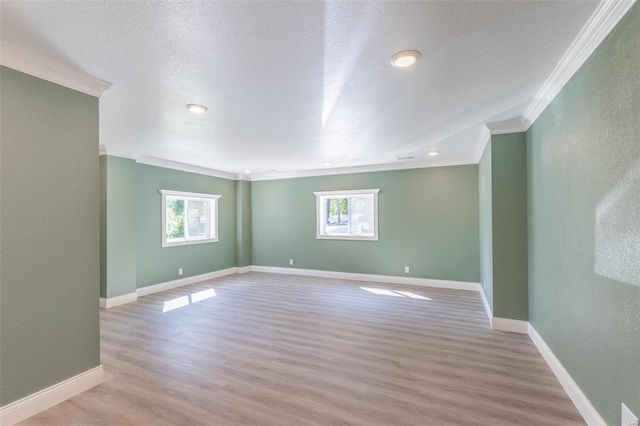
(179, 271)
(406, 269)
(628, 418)
(290, 261)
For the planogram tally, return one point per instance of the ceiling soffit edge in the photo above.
(37, 66)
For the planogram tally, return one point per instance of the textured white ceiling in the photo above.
(290, 85)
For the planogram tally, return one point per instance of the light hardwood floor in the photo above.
(287, 350)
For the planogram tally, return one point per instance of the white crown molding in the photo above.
(33, 404)
(28, 63)
(604, 19)
(513, 125)
(579, 399)
(363, 169)
(485, 137)
(167, 164)
(117, 152)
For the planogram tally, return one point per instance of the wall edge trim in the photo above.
(487, 308)
(33, 404)
(579, 399)
(514, 125)
(168, 285)
(111, 302)
(20, 60)
(510, 325)
(600, 24)
(390, 279)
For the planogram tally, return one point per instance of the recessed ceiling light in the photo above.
(434, 153)
(406, 58)
(326, 164)
(247, 171)
(198, 109)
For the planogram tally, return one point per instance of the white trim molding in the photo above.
(387, 279)
(38, 66)
(487, 308)
(485, 137)
(514, 125)
(510, 325)
(167, 164)
(586, 409)
(144, 291)
(243, 269)
(604, 19)
(33, 404)
(111, 302)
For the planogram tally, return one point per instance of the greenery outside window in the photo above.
(347, 215)
(189, 218)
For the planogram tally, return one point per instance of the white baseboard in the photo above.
(143, 291)
(111, 302)
(487, 308)
(511, 325)
(388, 279)
(588, 411)
(243, 269)
(31, 405)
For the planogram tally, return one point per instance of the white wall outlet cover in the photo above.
(290, 261)
(179, 271)
(406, 269)
(628, 418)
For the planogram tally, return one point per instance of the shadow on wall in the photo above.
(617, 230)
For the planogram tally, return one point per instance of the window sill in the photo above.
(347, 237)
(189, 242)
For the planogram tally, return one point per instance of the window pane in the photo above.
(337, 216)
(198, 218)
(361, 222)
(175, 218)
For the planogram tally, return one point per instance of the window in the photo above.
(188, 218)
(347, 215)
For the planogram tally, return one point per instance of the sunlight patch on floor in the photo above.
(183, 301)
(394, 293)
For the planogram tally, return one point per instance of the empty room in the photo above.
(320, 213)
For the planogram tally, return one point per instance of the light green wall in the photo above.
(49, 222)
(157, 264)
(583, 157)
(118, 214)
(486, 224)
(509, 226)
(243, 223)
(428, 220)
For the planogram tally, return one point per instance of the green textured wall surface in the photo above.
(243, 223)
(486, 224)
(119, 274)
(49, 222)
(509, 226)
(428, 220)
(583, 157)
(157, 264)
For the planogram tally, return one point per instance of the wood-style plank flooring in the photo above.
(288, 350)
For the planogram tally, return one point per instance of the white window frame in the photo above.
(213, 215)
(320, 195)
